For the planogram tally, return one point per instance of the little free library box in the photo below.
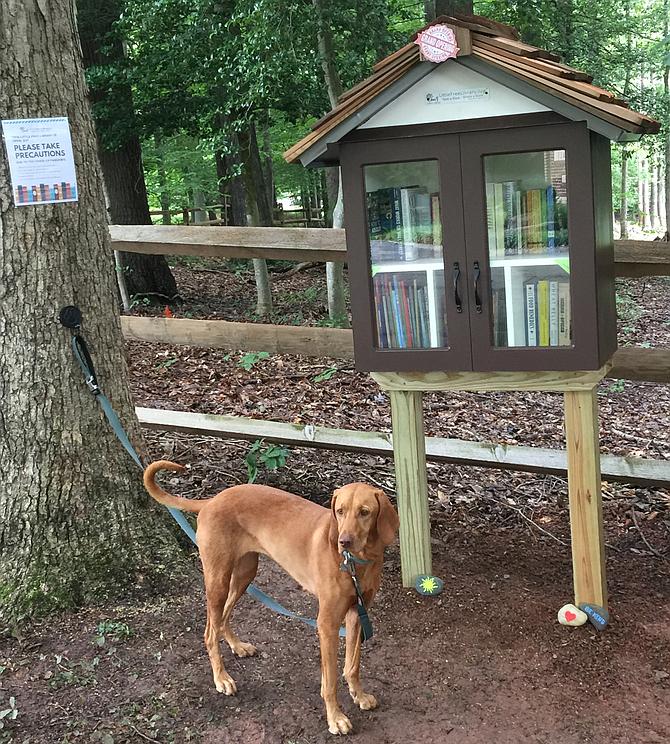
(478, 216)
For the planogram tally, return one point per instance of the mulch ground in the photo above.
(486, 661)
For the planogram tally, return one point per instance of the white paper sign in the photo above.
(458, 96)
(41, 162)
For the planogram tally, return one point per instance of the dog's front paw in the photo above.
(243, 649)
(226, 685)
(363, 700)
(338, 723)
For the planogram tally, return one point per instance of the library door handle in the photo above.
(478, 301)
(457, 299)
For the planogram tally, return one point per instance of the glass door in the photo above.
(406, 257)
(528, 248)
(406, 253)
(531, 243)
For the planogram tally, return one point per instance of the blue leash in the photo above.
(72, 320)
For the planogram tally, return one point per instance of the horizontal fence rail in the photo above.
(629, 362)
(632, 258)
(454, 451)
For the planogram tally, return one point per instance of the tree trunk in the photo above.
(260, 214)
(337, 306)
(435, 8)
(199, 213)
(77, 525)
(624, 193)
(121, 152)
(164, 196)
(145, 275)
(653, 217)
(230, 184)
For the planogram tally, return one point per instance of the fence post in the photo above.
(409, 452)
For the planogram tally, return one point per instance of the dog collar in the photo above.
(349, 557)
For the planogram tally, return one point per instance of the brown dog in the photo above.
(305, 539)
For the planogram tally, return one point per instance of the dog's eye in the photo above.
(364, 512)
(340, 512)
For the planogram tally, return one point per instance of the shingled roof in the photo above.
(536, 73)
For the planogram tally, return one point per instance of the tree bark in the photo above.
(624, 192)
(76, 525)
(164, 196)
(337, 306)
(260, 213)
(435, 8)
(144, 275)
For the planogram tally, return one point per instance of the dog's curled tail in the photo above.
(163, 497)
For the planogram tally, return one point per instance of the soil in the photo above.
(484, 661)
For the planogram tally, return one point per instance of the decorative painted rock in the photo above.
(428, 585)
(598, 616)
(571, 615)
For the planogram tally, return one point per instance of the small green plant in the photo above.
(248, 360)
(9, 714)
(326, 374)
(339, 321)
(112, 630)
(166, 364)
(273, 456)
(617, 386)
(140, 301)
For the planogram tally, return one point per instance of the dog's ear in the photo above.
(333, 533)
(387, 518)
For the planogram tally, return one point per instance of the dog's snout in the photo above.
(346, 541)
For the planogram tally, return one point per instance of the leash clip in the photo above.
(93, 385)
(347, 565)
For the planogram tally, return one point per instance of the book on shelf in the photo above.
(436, 219)
(520, 220)
(543, 313)
(403, 223)
(530, 296)
(401, 307)
(511, 195)
(499, 318)
(553, 313)
(564, 317)
(547, 313)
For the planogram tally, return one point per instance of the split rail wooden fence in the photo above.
(632, 259)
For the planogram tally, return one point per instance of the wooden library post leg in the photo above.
(586, 510)
(409, 451)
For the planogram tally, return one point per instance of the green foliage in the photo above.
(326, 374)
(273, 456)
(112, 630)
(10, 713)
(252, 358)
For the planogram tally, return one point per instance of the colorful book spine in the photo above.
(490, 217)
(543, 312)
(531, 313)
(499, 219)
(553, 313)
(564, 335)
(551, 219)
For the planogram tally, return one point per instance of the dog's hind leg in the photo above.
(216, 586)
(243, 575)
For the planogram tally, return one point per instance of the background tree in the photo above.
(119, 144)
(75, 525)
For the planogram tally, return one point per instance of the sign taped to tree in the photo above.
(41, 161)
(437, 43)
